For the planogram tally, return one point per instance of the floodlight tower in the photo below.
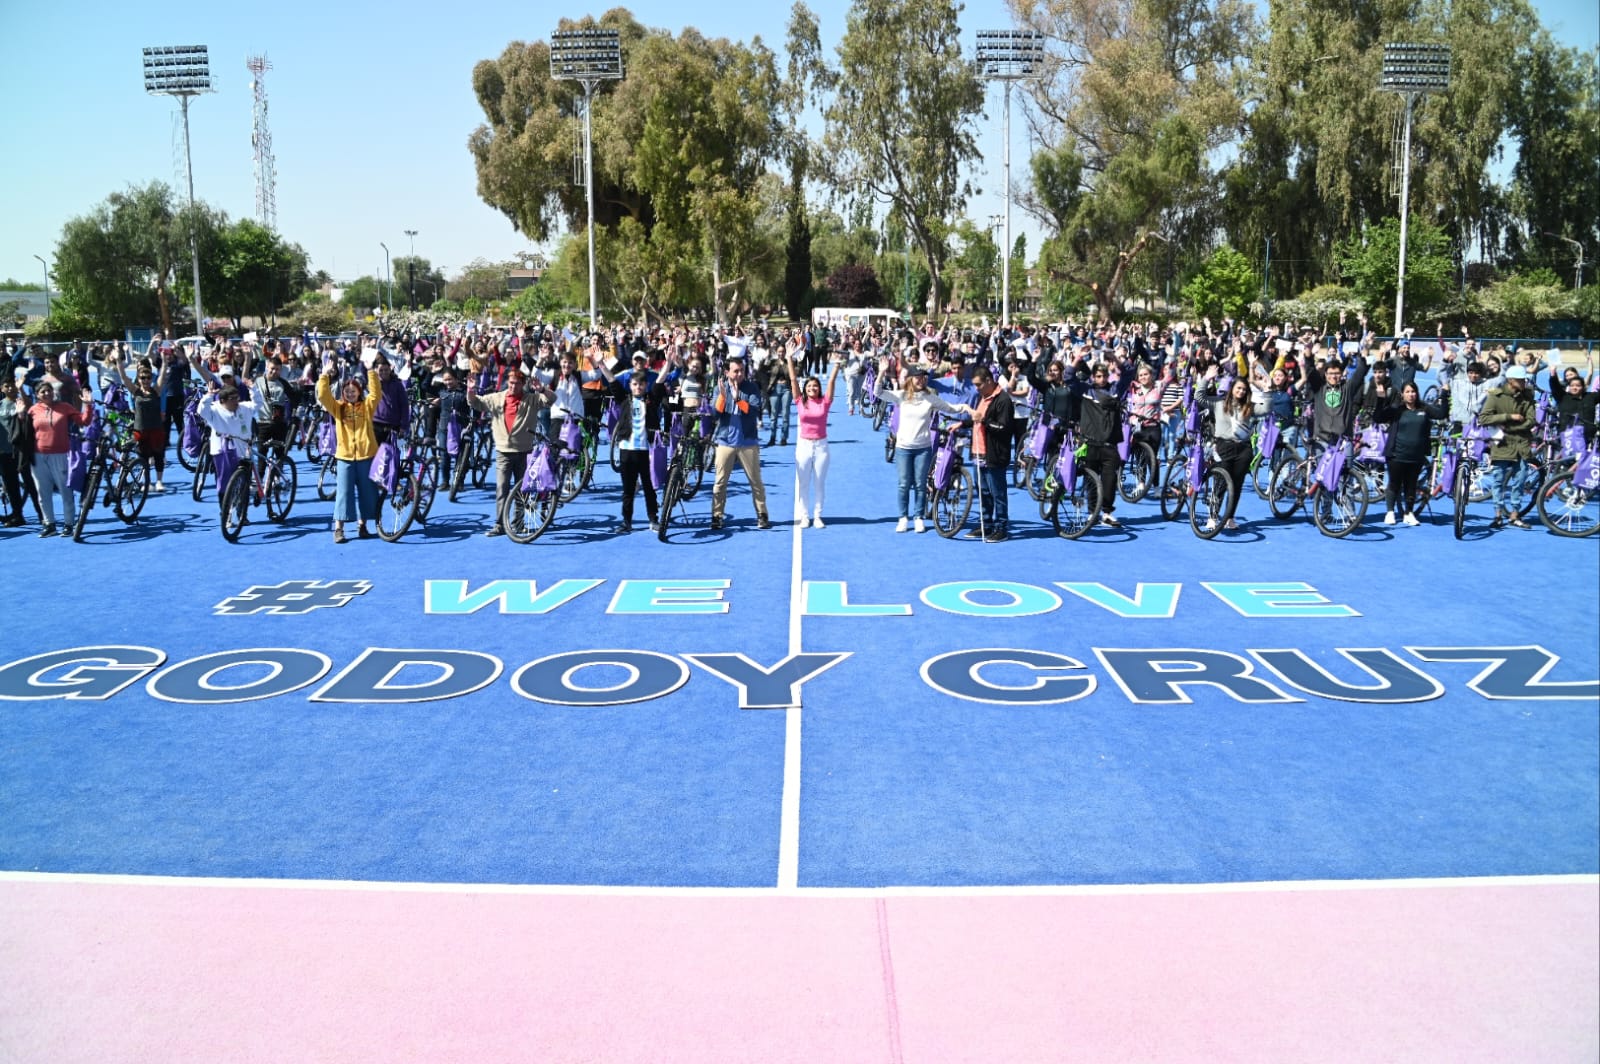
(1413, 71)
(261, 140)
(588, 57)
(182, 71)
(1008, 56)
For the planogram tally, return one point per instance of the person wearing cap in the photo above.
(52, 422)
(913, 452)
(1510, 409)
(737, 402)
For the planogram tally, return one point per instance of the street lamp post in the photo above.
(183, 71)
(387, 277)
(411, 268)
(1578, 266)
(47, 306)
(1413, 71)
(1007, 56)
(588, 57)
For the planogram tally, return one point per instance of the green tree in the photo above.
(797, 280)
(479, 279)
(11, 284)
(678, 150)
(900, 123)
(416, 275)
(1524, 304)
(1224, 287)
(1370, 262)
(258, 271)
(364, 293)
(115, 265)
(1555, 183)
(975, 270)
(1140, 95)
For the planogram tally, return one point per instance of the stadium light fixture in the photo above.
(1009, 56)
(588, 57)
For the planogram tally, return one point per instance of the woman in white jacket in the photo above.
(913, 441)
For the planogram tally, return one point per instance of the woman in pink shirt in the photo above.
(811, 457)
(52, 423)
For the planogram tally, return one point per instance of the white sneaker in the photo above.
(1211, 526)
(1231, 526)
(805, 522)
(1388, 518)
(816, 522)
(920, 526)
(1411, 519)
(1110, 519)
(158, 487)
(900, 526)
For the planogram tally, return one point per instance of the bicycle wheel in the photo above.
(880, 413)
(1261, 470)
(458, 472)
(616, 452)
(1174, 497)
(1077, 510)
(1373, 479)
(571, 478)
(202, 471)
(585, 464)
(1460, 495)
(671, 498)
(1533, 480)
(236, 502)
(1338, 512)
(282, 481)
(1287, 489)
(396, 510)
(313, 446)
(888, 448)
(427, 487)
(328, 478)
(91, 488)
(482, 459)
(133, 488)
(694, 468)
(1139, 473)
(1210, 503)
(1478, 481)
(952, 505)
(1568, 510)
(522, 523)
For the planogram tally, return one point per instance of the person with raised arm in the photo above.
(513, 419)
(355, 495)
(913, 452)
(811, 456)
(737, 403)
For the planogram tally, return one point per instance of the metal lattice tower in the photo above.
(261, 140)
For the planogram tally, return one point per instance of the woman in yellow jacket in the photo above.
(352, 419)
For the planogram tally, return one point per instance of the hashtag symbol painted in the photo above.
(294, 596)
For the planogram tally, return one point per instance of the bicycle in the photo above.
(668, 470)
(266, 477)
(1141, 468)
(1327, 485)
(1569, 502)
(948, 494)
(399, 491)
(113, 468)
(1072, 495)
(552, 468)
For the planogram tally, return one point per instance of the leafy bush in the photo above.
(1224, 286)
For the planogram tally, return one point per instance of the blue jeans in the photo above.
(778, 406)
(912, 467)
(355, 485)
(996, 510)
(1507, 496)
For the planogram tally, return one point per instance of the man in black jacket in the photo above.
(992, 419)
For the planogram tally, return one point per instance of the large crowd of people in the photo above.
(761, 385)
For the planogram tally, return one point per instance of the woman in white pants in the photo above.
(811, 457)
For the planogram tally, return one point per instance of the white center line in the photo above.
(789, 820)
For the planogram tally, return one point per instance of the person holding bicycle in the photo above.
(1410, 422)
(149, 422)
(1100, 427)
(737, 402)
(513, 418)
(639, 417)
(993, 419)
(356, 496)
(391, 417)
(1334, 396)
(1232, 425)
(913, 452)
(1510, 409)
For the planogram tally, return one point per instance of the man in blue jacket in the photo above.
(737, 402)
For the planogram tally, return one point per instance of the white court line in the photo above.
(789, 816)
(1090, 889)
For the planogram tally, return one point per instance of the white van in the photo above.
(857, 317)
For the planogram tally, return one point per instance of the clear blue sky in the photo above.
(371, 107)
